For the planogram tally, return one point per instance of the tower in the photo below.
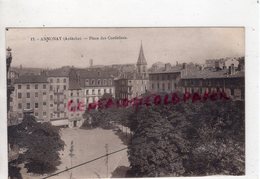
(142, 64)
(90, 62)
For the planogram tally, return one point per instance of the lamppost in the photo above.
(10, 88)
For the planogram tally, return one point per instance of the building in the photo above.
(76, 100)
(135, 83)
(130, 86)
(142, 65)
(230, 81)
(166, 81)
(95, 82)
(31, 93)
(58, 95)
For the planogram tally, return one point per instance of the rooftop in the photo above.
(206, 74)
(31, 79)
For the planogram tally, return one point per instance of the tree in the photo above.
(189, 139)
(41, 143)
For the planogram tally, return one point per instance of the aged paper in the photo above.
(125, 102)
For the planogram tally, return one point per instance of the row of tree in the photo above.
(185, 139)
(188, 139)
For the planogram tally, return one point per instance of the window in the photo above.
(169, 86)
(105, 90)
(58, 80)
(64, 80)
(36, 86)
(36, 94)
(19, 95)
(51, 97)
(93, 91)
(44, 113)
(44, 93)
(86, 82)
(109, 82)
(36, 113)
(19, 105)
(92, 82)
(163, 87)
(99, 92)
(158, 85)
(51, 105)
(152, 86)
(44, 103)
(64, 87)
(28, 106)
(232, 92)
(44, 86)
(28, 95)
(58, 114)
(19, 86)
(20, 115)
(87, 92)
(27, 86)
(99, 82)
(77, 93)
(105, 82)
(51, 80)
(36, 105)
(51, 87)
(110, 91)
(71, 94)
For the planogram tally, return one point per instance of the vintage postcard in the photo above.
(125, 102)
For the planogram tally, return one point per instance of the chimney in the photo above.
(91, 62)
(217, 65)
(231, 69)
(167, 66)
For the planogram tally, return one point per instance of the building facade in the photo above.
(58, 97)
(95, 83)
(135, 83)
(31, 93)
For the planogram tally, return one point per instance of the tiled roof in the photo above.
(174, 69)
(97, 73)
(204, 74)
(31, 79)
(60, 72)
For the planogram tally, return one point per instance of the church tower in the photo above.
(142, 64)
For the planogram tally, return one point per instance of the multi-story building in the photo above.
(230, 81)
(95, 82)
(58, 85)
(76, 100)
(31, 92)
(165, 80)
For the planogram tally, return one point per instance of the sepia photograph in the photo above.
(122, 102)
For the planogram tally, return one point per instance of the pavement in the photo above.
(88, 145)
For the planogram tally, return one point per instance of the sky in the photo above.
(166, 45)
